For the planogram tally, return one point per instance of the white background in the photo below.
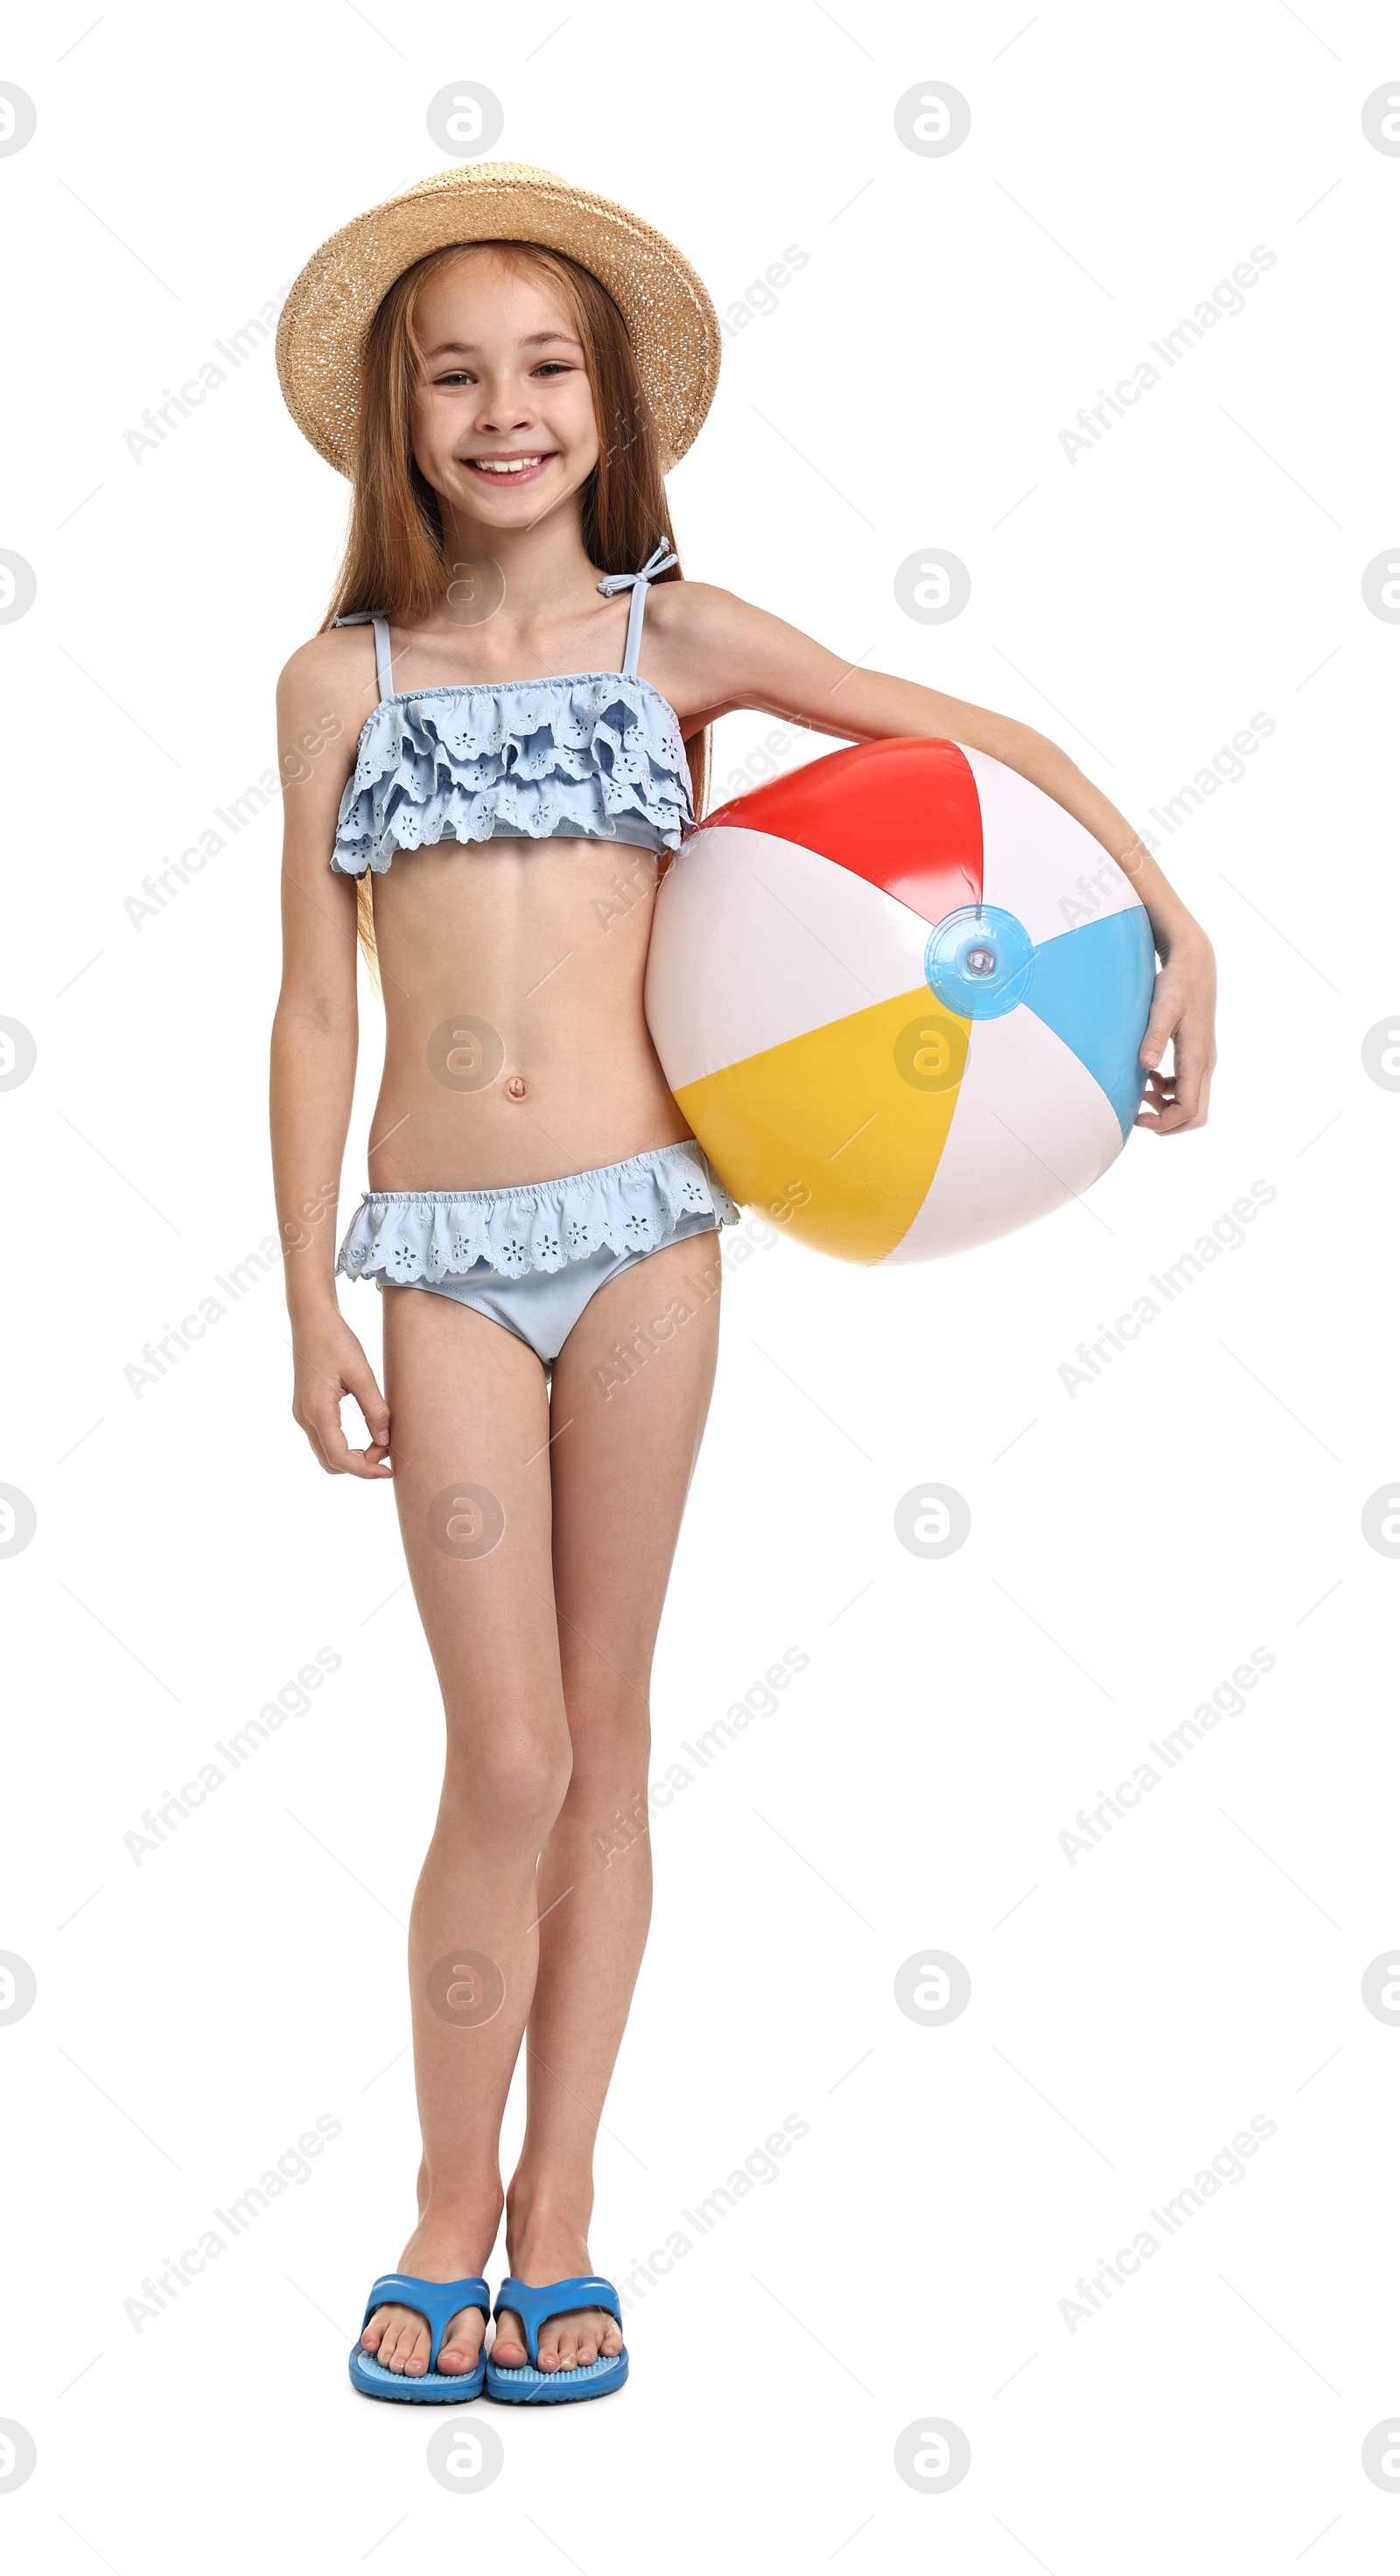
(1129, 1547)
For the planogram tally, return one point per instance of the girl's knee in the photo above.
(611, 1742)
(517, 1783)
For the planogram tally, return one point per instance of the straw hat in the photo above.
(670, 319)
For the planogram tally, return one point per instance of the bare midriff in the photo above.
(516, 1045)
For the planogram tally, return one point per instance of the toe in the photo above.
(404, 2348)
(508, 2348)
(400, 2332)
(462, 2342)
(611, 2339)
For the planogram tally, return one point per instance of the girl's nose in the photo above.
(503, 407)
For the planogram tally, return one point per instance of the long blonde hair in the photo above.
(394, 559)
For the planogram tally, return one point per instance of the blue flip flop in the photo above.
(531, 2386)
(437, 2302)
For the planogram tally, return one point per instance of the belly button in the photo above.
(515, 1087)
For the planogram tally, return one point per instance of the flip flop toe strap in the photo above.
(437, 2302)
(535, 2307)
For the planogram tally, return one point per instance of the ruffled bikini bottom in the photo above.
(530, 1258)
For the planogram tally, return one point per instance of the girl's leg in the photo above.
(624, 1448)
(471, 1429)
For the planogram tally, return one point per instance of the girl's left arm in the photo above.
(749, 659)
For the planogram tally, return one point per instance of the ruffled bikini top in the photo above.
(594, 756)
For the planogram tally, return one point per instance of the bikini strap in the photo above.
(383, 658)
(660, 561)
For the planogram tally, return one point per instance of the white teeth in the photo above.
(515, 465)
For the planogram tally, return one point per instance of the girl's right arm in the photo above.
(314, 1039)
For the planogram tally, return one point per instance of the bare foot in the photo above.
(399, 2338)
(574, 2338)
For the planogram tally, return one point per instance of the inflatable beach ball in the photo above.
(899, 996)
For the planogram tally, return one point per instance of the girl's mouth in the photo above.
(526, 467)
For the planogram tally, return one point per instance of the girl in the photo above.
(506, 365)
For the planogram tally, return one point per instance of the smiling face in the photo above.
(503, 425)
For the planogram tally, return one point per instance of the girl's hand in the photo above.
(329, 1366)
(1183, 1017)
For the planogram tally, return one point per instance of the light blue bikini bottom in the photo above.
(531, 1258)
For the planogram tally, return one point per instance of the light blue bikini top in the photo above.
(594, 756)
